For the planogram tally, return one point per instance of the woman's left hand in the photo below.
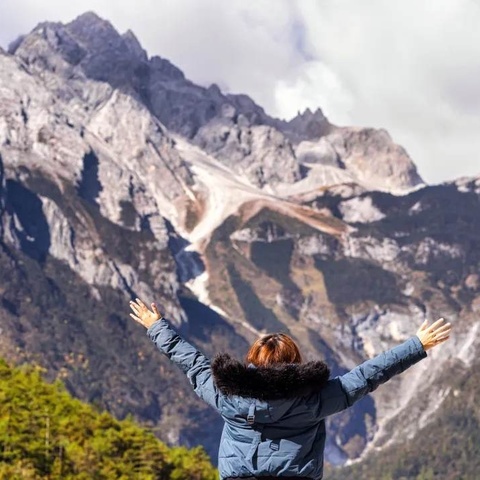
(142, 315)
(435, 334)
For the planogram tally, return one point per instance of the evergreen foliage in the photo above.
(47, 434)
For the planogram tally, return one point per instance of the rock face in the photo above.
(119, 178)
(259, 152)
(368, 156)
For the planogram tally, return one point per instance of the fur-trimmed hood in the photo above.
(268, 383)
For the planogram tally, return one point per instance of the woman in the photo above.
(274, 406)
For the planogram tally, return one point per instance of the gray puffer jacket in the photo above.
(274, 417)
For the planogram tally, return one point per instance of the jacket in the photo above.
(275, 417)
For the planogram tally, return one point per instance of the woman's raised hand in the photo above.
(143, 315)
(435, 334)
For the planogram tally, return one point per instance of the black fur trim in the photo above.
(268, 383)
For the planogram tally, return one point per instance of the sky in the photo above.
(411, 67)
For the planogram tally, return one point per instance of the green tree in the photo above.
(46, 434)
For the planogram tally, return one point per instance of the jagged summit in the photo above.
(307, 114)
(95, 33)
(89, 18)
(308, 125)
(134, 45)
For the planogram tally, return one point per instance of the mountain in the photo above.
(119, 177)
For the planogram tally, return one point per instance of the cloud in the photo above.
(314, 84)
(410, 67)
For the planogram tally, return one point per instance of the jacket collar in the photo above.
(268, 383)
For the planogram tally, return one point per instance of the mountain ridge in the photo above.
(121, 178)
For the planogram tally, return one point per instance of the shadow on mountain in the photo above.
(89, 187)
(189, 262)
(351, 280)
(256, 313)
(204, 323)
(32, 228)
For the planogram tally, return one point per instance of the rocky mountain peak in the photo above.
(245, 105)
(110, 56)
(98, 35)
(92, 29)
(307, 125)
(214, 89)
(88, 44)
(134, 45)
(307, 114)
(164, 70)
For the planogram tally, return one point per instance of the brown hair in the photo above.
(272, 349)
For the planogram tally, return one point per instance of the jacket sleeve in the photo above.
(192, 362)
(343, 391)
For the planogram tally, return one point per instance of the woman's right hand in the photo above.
(142, 315)
(435, 334)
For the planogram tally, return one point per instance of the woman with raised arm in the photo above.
(274, 405)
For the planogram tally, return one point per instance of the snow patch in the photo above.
(360, 210)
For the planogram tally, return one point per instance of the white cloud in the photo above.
(411, 67)
(313, 85)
